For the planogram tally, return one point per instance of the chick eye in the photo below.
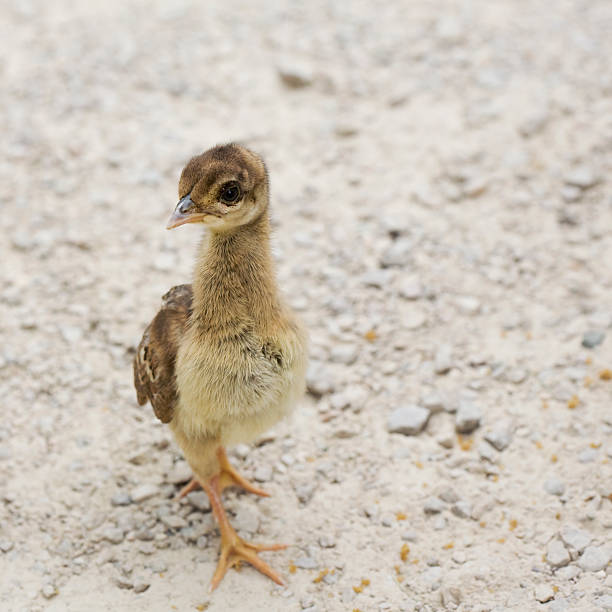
(230, 193)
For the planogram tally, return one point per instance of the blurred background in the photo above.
(440, 177)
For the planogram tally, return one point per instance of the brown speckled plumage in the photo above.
(154, 362)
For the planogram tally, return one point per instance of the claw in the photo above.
(238, 551)
(192, 485)
(234, 549)
(230, 477)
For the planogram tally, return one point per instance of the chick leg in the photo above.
(234, 549)
(228, 477)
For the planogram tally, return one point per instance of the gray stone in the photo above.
(398, 254)
(581, 176)
(434, 402)
(408, 420)
(71, 333)
(24, 241)
(147, 548)
(448, 495)
(304, 491)
(241, 450)
(344, 353)
(191, 533)
(443, 361)
(377, 278)
(295, 74)
(459, 557)
(569, 193)
(263, 473)
(432, 576)
(588, 455)
(556, 554)
(604, 602)
(462, 509)
(487, 452)
(173, 521)
(353, 397)
(516, 375)
(121, 499)
(449, 30)
(554, 486)
(344, 129)
(180, 472)
(569, 572)
(199, 500)
(326, 542)
(433, 505)
(468, 304)
(544, 593)
(140, 456)
(575, 539)
(141, 585)
(413, 319)
(145, 535)
(246, 520)
(450, 597)
(202, 542)
(567, 217)
(472, 188)
(158, 566)
(439, 523)
(114, 535)
(446, 438)
(339, 400)
(594, 559)
(318, 379)
(500, 435)
(306, 562)
(593, 338)
(371, 511)
(468, 416)
(411, 289)
(123, 582)
(534, 122)
(559, 605)
(144, 491)
(345, 432)
(6, 545)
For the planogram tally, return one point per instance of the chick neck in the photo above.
(234, 280)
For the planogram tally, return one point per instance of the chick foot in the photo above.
(228, 477)
(192, 485)
(234, 549)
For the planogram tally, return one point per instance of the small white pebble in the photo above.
(544, 593)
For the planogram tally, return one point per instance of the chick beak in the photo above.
(182, 213)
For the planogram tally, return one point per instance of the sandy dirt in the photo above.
(442, 206)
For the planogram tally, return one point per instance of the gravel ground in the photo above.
(443, 205)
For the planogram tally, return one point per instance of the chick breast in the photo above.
(235, 390)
